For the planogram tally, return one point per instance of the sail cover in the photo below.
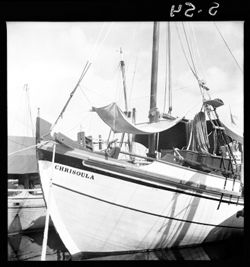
(113, 116)
(233, 131)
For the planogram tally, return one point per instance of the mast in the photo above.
(168, 87)
(125, 97)
(124, 80)
(38, 137)
(169, 72)
(26, 88)
(153, 112)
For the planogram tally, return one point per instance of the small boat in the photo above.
(26, 210)
(26, 206)
(100, 203)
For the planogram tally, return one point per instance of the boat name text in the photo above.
(75, 172)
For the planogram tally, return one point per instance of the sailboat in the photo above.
(102, 204)
(26, 206)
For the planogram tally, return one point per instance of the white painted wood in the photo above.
(109, 214)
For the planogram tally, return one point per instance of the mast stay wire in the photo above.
(29, 108)
(228, 47)
(128, 64)
(194, 48)
(192, 70)
(200, 83)
(85, 69)
(133, 78)
(198, 51)
(183, 50)
(189, 49)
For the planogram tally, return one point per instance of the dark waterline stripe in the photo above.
(145, 212)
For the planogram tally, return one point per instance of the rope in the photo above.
(85, 96)
(21, 144)
(193, 70)
(25, 149)
(85, 69)
(189, 49)
(228, 47)
(191, 56)
(96, 42)
(132, 83)
(198, 52)
(183, 50)
(100, 45)
(22, 150)
(29, 108)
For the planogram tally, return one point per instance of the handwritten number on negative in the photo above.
(213, 7)
(191, 7)
(172, 11)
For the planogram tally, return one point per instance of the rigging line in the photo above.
(132, 41)
(136, 60)
(97, 40)
(76, 124)
(100, 45)
(191, 56)
(189, 48)
(29, 109)
(198, 51)
(21, 144)
(193, 46)
(191, 108)
(86, 67)
(85, 96)
(132, 83)
(193, 51)
(228, 47)
(20, 150)
(25, 119)
(183, 50)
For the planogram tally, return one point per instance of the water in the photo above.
(28, 247)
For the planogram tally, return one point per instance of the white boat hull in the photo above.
(99, 209)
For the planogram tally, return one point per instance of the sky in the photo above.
(45, 61)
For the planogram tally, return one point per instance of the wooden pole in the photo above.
(38, 137)
(169, 72)
(125, 97)
(153, 112)
(46, 228)
(124, 81)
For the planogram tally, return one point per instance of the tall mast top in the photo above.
(153, 112)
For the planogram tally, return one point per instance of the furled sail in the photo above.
(199, 137)
(113, 116)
